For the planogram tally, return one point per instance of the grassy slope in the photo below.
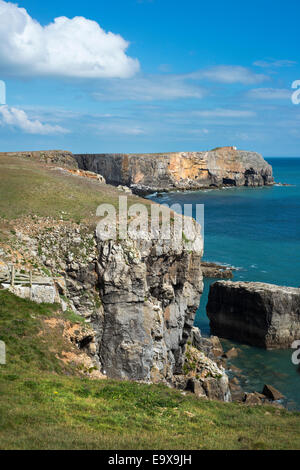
(31, 188)
(45, 404)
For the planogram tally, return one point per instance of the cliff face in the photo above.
(140, 300)
(255, 313)
(140, 296)
(146, 173)
(150, 294)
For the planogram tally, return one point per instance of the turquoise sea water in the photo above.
(256, 230)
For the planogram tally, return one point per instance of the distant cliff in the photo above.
(146, 173)
(62, 158)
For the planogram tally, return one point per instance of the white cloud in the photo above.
(17, 118)
(274, 63)
(165, 68)
(270, 94)
(230, 74)
(223, 113)
(75, 47)
(175, 86)
(198, 131)
(119, 128)
(148, 88)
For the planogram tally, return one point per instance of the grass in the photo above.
(45, 404)
(31, 188)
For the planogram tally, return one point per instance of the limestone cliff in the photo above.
(140, 296)
(150, 295)
(255, 313)
(146, 173)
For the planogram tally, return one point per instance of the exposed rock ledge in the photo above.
(216, 271)
(49, 157)
(255, 313)
(146, 173)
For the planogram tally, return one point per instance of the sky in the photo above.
(150, 75)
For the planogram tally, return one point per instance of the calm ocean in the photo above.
(257, 231)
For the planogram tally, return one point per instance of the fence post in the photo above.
(12, 275)
(30, 280)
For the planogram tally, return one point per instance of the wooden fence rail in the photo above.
(17, 278)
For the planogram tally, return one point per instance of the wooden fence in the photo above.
(15, 277)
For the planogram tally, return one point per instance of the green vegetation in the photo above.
(29, 188)
(46, 404)
(21, 325)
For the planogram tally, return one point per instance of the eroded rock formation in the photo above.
(150, 294)
(139, 296)
(255, 313)
(216, 271)
(146, 173)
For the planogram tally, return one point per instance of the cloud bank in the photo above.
(274, 63)
(230, 74)
(148, 88)
(176, 86)
(270, 94)
(75, 47)
(18, 119)
(224, 113)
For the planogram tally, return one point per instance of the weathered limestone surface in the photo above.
(146, 173)
(203, 376)
(150, 293)
(62, 158)
(211, 347)
(140, 296)
(259, 314)
(37, 293)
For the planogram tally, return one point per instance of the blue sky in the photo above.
(150, 75)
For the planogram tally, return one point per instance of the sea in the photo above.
(256, 231)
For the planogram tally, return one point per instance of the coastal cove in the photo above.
(257, 231)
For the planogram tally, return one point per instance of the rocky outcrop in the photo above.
(216, 271)
(146, 173)
(37, 293)
(203, 376)
(150, 293)
(81, 173)
(140, 297)
(271, 393)
(202, 373)
(211, 347)
(263, 315)
(61, 158)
